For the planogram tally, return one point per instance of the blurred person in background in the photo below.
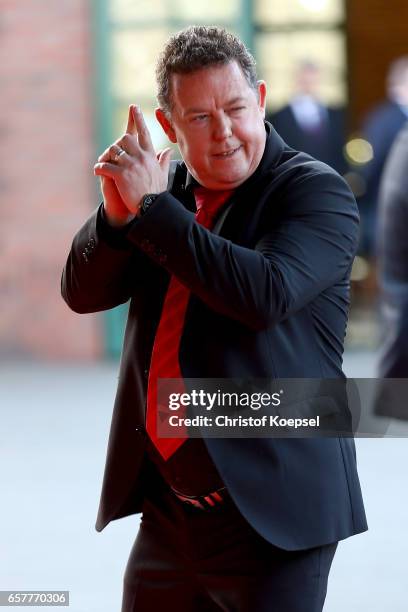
(236, 261)
(393, 274)
(307, 124)
(380, 128)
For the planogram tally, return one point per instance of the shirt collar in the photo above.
(190, 182)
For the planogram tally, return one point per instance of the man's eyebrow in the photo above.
(197, 109)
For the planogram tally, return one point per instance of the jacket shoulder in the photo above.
(304, 175)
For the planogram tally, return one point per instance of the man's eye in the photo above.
(236, 109)
(199, 118)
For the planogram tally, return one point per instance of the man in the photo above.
(393, 273)
(307, 124)
(380, 128)
(254, 285)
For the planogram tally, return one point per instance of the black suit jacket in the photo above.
(326, 145)
(270, 293)
(380, 129)
(393, 274)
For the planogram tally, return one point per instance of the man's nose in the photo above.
(222, 127)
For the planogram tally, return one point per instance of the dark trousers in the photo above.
(189, 560)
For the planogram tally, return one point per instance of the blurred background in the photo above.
(337, 77)
(69, 70)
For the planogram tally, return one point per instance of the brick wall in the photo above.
(46, 185)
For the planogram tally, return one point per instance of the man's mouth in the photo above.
(226, 154)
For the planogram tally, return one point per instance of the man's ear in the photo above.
(165, 122)
(262, 97)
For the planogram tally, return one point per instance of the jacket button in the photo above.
(139, 430)
(146, 373)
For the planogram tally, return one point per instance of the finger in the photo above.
(131, 127)
(131, 145)
(143, 133)
(164, 158)
(108, 170)
(106, 155)
(115, 153)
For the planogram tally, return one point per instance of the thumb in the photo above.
(164, 159)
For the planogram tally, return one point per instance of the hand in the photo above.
(115, 209)
(127, 178)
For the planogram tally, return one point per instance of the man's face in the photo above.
(308, 80)
(217, 122)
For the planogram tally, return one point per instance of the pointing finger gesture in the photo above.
(136, 126)
(131, 163)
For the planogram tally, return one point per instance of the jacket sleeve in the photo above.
(293, 261)
(102, 267)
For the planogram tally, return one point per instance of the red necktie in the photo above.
(165, 363)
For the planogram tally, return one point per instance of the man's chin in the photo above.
(229, 179)
(232, 180)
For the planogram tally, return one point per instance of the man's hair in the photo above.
(198, 47)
